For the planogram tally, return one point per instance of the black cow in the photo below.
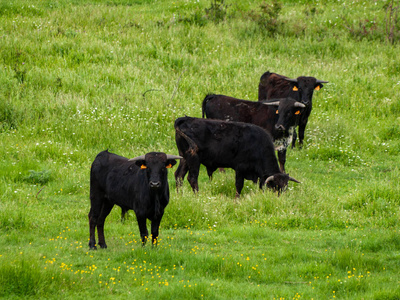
(246, 148)
(278, 117)
(139, 183)
(274, 86)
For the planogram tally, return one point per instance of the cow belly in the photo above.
(283, 143)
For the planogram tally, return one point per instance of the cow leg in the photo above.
(97, 198)
(194, 168)
(294, 137)
(105, 211)
(239, 183)
(155, 225)
(124, 210)
(210, 172)
(302, 128)
(144, 234)
(180, 173)
(92, 229)
(282, 159)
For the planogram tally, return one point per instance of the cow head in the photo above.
(155, 164)
(279, 182)
(305, 86)
(288, 112)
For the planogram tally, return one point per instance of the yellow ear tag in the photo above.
(169, 166)
(277, 112)
(143, 167)
(317, 88)
(297, 112)
(295, 88)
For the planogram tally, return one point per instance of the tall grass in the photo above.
(78, 77)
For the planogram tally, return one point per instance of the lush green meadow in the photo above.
(81, 76)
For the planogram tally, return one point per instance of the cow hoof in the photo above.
(103, 246)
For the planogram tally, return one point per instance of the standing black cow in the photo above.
(246, 148)
(139, 183)
(278, 117)
(274, 86)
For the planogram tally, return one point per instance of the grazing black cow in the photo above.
(246, 148)
(139, 183)
(277, 117)
(273, 86)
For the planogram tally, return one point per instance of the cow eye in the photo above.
(143, 167)
(169, 166)
(295, 88)
(297, 112)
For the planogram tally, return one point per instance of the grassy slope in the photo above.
(73, 75)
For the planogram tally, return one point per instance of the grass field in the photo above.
(79, 77)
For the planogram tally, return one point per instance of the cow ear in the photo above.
(277, 112)
(141, 164)
(170, 163)
(297, 112)
(295, 88)
(318, 87)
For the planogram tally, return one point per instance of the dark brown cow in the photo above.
(273, 86)
(140, 184)
(246, 148)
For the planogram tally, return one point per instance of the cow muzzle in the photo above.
(280, 127)
(155, 184)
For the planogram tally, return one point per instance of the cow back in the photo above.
(227, 108)
(273, 85)
(103, 164)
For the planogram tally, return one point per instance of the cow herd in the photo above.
(238, 134)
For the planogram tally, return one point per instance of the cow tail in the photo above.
(208, 97)
(193, 148)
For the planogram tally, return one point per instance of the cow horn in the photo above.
(321, 81)
(271, 103)
(291, 79)
(292, 179)
(298, 104)
(141, 157)
(169, 156)
(270, 178)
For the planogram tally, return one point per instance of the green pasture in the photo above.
(79, 77)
